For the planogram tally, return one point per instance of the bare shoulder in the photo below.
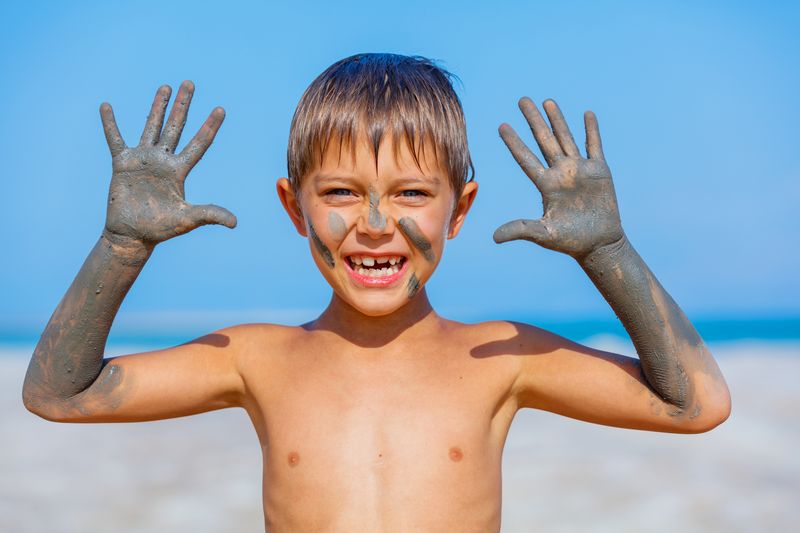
(508, 338)
(540, 358)
(260, 333)
(257, 343)
(503, 344)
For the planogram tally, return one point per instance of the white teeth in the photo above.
(378, 272)
(391, 265)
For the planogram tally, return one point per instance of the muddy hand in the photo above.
(146, 200)
(580, 206)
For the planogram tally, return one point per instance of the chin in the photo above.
(377, 305)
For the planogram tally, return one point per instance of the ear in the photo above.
(462, 208)
(291, 204)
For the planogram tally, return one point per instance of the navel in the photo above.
(456, 454)
(293, 459)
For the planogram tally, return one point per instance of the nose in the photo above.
(374, 221)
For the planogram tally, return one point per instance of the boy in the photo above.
(379, 415)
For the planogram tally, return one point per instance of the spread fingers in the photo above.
(197, 147)
(152, 128)
(551, 149)
(177, 117)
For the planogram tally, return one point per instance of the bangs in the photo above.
(376, 95)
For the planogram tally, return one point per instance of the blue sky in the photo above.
(697, 105)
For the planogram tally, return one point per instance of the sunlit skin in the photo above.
(356, 205)
(380, 415)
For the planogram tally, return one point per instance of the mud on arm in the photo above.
(146, 206)
(581, 219)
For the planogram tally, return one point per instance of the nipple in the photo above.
(456, 454)
(293, 459)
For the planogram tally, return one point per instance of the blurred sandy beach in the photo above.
(203, 473)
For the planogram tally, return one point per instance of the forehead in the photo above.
(392, 157)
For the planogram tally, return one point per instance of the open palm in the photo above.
(580, 205)
(146, 200)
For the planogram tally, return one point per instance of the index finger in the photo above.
(523, 155)
(197, 147)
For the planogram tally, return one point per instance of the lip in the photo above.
(382, 281)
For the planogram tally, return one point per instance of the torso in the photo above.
(392, 438)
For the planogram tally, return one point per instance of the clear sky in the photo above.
(697, 102)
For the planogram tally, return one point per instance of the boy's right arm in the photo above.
(68, 379)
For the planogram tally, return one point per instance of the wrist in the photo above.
(601, 255)
(129, 250)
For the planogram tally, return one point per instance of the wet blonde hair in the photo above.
(408, 97)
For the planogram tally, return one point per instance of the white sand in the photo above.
(203, 473)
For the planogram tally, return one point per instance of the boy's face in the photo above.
(376, 228)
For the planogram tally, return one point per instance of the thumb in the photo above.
(529, 230)
(211, 214)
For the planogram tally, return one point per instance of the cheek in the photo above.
(320, 246)
(337, 226)
(419, 236)
(319, 233)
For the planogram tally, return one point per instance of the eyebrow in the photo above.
(332, 177)
(404, 180)
(413, 180)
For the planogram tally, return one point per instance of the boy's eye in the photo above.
(338, 192)
(413, 193)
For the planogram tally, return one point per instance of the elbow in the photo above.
(35, 403)
(705, 418)
(42, 406)
(721, 411)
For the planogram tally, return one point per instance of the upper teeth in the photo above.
(369, 261)
(365, 265)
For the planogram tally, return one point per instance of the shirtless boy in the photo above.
(380, 415)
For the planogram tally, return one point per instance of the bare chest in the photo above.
(372, 437)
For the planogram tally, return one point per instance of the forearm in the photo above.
(673, 357)
(69, 355)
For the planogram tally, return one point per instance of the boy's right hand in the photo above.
(146, 200)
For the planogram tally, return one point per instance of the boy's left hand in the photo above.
(580, 206)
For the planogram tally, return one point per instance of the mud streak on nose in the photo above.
(376, 219)
(414, 234)
(323, 250)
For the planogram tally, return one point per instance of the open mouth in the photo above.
(376, 270)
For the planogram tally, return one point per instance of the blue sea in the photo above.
(16, 335)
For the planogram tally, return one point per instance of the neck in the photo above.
(415, 318)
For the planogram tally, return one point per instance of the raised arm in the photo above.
(67, 378)
(581, 219)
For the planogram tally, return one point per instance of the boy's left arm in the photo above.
(675, 385)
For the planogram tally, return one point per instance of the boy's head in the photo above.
(375, 95)
(379, 176)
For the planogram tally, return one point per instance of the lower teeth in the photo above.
(378, 272)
